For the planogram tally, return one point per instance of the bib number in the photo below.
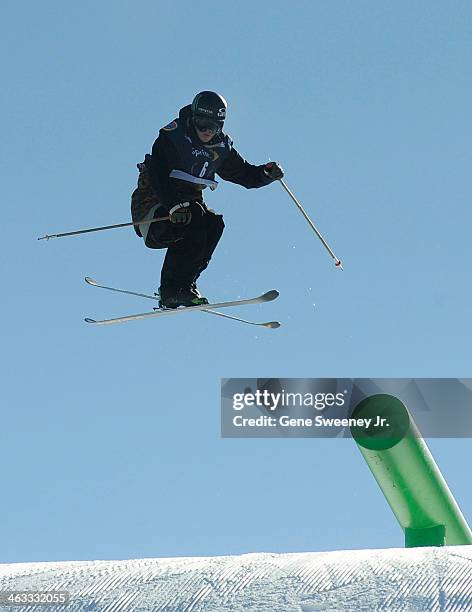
(203, 170)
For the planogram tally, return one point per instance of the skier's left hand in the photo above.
(181, 214)
(273, 170)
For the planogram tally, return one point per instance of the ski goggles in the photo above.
(206, 125)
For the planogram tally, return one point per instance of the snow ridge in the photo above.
(432, 579)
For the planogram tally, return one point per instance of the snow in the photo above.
(396, 579)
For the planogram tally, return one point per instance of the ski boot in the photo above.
(194, 289)
(173, 297)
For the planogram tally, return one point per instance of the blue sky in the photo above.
(110, 444)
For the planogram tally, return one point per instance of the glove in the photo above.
(273, 170)
(181, 214)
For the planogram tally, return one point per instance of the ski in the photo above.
(93, 283)
(268, 324)
(208, 308)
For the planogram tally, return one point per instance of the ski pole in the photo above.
(312, 225)
(104, 227)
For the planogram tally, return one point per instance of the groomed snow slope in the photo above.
(398, 579)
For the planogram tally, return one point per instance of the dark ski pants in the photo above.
(193, 246)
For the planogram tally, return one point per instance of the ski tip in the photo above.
(90, 281)
(87, 320)
(271, 295)
(272, 325)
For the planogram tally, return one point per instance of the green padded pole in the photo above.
(407, 474)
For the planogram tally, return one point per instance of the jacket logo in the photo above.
(171, 126)
(200, 152)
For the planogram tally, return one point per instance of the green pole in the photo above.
(407, 474)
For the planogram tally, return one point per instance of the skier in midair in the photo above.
(185, 157)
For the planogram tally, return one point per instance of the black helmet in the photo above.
(209, 110)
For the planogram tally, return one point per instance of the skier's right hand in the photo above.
(181, 214)
(273, 170)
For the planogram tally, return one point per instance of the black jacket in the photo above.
(178, 151)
